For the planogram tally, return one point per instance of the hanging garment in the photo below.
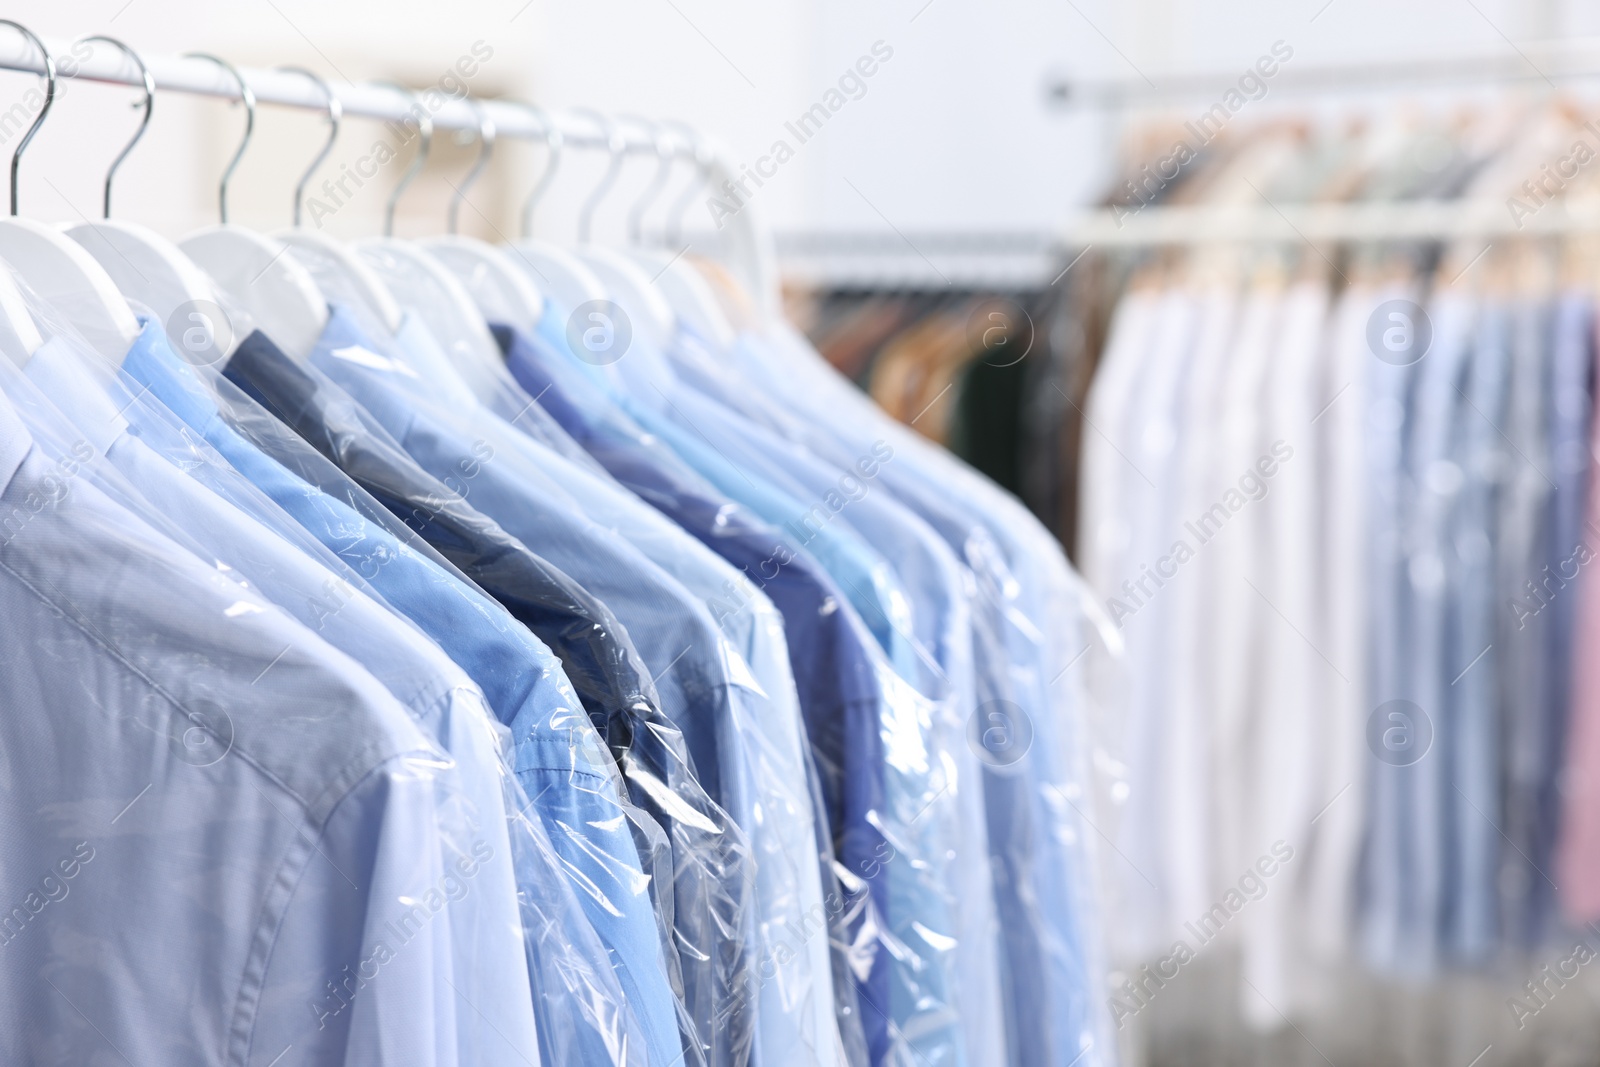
(758, 747)
(832, 666)
(896, 991)
(1034, 637)
(559, 759)
(489, 966)
(169, 726)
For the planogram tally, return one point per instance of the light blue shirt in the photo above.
(921, 796)
(1471, 926)
(1029, 634)
(206, 804)
(763, 742)
(487, 960)
(671, 629)
(556, 755)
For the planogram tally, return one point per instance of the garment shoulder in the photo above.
(136, 606)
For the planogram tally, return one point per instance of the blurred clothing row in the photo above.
(1336, 502)
(979, 371)
(565, 677)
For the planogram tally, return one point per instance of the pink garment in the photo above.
(1578, 849)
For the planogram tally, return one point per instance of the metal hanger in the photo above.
(486, 135)
(253, 268)
(556, 271)
(248, 97)
(147, 267)
(55, 267)
(553, 142)
(626, 284)
(147, 107)
(49, 98)
(683, 286)
(617, 147)
(339, 272)
(701, 176)
(419, 161)
(658, 182)
(498, 289)
(432, 291)
(335, 117)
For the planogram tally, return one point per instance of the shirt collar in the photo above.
(153, 362)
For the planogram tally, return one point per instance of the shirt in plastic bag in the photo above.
(490, 969)
(164, 712)
(598, 655)
(567, 970)
(940, 587)
(892, 786)
(1030, 631)
(672, 630)
(832, 672)
(763, 744)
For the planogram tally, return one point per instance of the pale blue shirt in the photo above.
(487, 958)
(205, 804)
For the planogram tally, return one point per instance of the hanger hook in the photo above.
(652, 191)
(553, 141)
(424, 123)
(148, 106)
(49, 98)
(486, 134)
(617, 145)
(248, 97)
(702, 170)
(335, 113)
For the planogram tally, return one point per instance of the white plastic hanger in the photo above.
(690, 295)
(343, 277)
(682, 286)
(255, 270)
(558, 273)
(19, 334)
(625, 283)
(631, 288)
(146, 266)
(501, 291)
(426, 287)
(337, 270)
(434, 294)
(59, 270)
(685, 288)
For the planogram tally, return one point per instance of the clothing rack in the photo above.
(1413, 220)
(986, 259)
(746, 244)
(1023, 259)
(895, 259)
(1532, 62)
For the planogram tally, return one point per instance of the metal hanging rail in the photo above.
(1533, 63)
(746, 244)
(1413, 220)
(180, 74)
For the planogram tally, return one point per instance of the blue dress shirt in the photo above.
(1029, 633)
(671, 629)
(163, 713)
(686, 866)
(761, 743)
(555, 755)
(829, 646)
